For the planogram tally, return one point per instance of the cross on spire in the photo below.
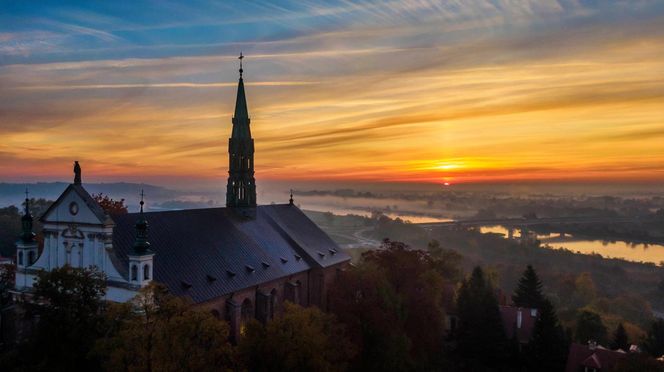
(142, 202)
(241, 57)
(290, 201)
(27, 193)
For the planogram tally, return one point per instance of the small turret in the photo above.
(141, 256)
(141, 245)
(27, 235)
(27, 247)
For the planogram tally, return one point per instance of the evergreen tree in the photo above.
(620, 339)
(481, 339)
(529, 290)
(547, 349)
(654, 341)
(589, 326)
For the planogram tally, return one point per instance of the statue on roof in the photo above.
(77, 173)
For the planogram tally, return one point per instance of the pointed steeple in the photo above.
(27, 235)
(141, 244)
(241, 188)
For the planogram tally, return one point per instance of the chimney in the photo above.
(519, 318)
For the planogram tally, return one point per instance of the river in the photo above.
(636, 252)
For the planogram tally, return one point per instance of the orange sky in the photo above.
(472, 96)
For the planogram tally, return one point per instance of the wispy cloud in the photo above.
(509, 89)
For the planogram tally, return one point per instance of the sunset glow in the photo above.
(440, 92)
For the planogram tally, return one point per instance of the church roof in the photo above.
(207, 253)
(96, 209)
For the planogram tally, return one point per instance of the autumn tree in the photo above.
(110, 206)
(372, 311)
(482, 342)
(529, 290)
(157, 331)
(446, 261)
(392, 305)
(68, 303)
(302, 339)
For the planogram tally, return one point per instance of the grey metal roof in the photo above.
(206, 253)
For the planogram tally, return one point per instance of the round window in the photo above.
(73, 208)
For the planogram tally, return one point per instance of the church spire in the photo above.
(241, 188)
(27, 235)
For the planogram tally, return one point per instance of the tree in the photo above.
(548, 346)
(529, 290)
(10, 229)
(620, 340)
(68, 303)
(589, 326)
(392, 305)
(446, 261)
(303, 339)
(7, 279)
(110, 206)
(372, 311)
(160, 332)
(482, 342)
(654, 341)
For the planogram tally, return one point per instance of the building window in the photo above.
(146, 272)
(20, 258)
(31, 257)
(246, 314)
(273, 302)
(299, 296)
(134, 273)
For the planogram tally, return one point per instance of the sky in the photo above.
(473, 91)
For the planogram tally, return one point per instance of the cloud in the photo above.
(519, 89)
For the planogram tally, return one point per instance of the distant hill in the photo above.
(14, 193)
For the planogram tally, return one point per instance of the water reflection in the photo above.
(637, 252)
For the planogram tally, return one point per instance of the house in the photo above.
(592, 358)
(518, 323)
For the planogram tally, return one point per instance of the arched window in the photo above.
(20, 258)
(246, 313)
(299, 297)
(146, 272)
(31, 257)
(134, 273)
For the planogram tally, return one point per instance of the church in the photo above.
(240, 262)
